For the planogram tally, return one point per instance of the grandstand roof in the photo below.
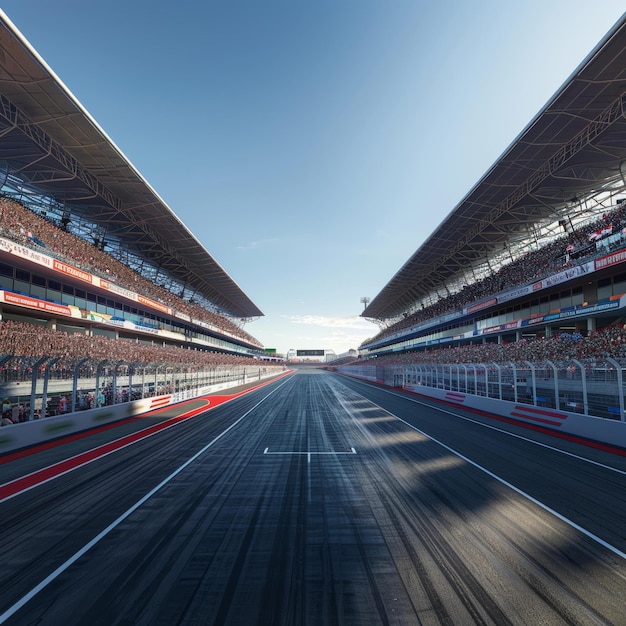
(52, 143)
(574, 146)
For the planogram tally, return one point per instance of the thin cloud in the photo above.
(353, 323)
(261, 243)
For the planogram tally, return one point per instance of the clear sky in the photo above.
(311, 147)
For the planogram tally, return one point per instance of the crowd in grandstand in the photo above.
(608, 342)
(571, 248)
(20, 224)
(29, 343)
(27, 340)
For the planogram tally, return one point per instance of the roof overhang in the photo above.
(575, 146)
(49, 140)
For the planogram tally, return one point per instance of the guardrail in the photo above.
(34, 388)
(591, 387)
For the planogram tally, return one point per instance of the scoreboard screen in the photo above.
(309, 352)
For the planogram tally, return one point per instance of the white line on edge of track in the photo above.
(501, 480)
(77, 555)
(94, 459)
(500, 430)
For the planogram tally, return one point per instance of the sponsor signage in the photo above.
(514, 293)
(533, 320)
(23, 252)
(554, 316)
(66, 269)
(481, 305)
(72, 271)
(113, 288)
(493, 329)
(182, 316)
(152, 303)
(610, 260)
(13, 248)
(34, 303)
(565, 275)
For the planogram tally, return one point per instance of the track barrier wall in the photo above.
(583, 399)
(16, 436)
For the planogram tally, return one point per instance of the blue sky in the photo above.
(312, 146)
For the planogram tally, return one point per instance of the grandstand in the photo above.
(537, 248)
(87, 247)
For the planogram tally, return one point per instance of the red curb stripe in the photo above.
(24, 483)
(455, 397)
(536, 419)
(532, 409)
(20, 454)
(590, 443)
(160, 401)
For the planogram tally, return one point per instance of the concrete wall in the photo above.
(599, 429)
(16, 436)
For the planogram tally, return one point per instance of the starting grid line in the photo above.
(308, 454)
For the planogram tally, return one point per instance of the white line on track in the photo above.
(77, 555)
(132, 441)
(501, 480)
(310, 452)
(500, 430)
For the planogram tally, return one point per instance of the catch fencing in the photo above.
(36, 388)
(590, 387)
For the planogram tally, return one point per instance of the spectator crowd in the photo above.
(599, 345)
(22, 225)
(576, 246)
(27, 340)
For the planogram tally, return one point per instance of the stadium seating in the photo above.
(22, 225)
(560, 253)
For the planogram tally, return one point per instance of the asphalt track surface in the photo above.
(315, 499)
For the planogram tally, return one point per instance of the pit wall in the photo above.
(612, 432)
(16, 436)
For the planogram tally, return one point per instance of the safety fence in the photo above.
(36, 388)
(593, 387)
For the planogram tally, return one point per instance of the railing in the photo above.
(594, 388)
(36, 388)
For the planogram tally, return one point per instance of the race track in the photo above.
(315, 499)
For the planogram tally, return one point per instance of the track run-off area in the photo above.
(313, 499)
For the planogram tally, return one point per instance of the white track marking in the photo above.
(132, 442)
(309, 453)
(77, 555)
(501, 480)
(500, 430)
